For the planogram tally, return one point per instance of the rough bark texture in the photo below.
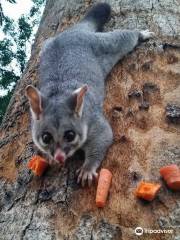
(142, 106)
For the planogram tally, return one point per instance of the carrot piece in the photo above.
(168, 171)
(37, 164)
(104, 183)
(174, 182)
(171, 175)
(147, 191)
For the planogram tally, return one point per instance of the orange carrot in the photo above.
(171, 175)
(147, 190)
(104, 183)
(37, 164)
(169, 170)
(174, 182)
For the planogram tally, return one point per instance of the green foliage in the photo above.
(8, 27)
(4, 101)
(33, 11)
(2, 17)
(25, 29)
(12, 1)
(6, 53)
(7, 78)
(21, 58)
(13, 49)
(38, 3)
(24, 34)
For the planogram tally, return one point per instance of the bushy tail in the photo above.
(98, 15)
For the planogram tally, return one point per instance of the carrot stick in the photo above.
(37, 164)
(104, 183)
(147, 191)
(171, 175)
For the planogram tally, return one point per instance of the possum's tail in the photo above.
(96, 17)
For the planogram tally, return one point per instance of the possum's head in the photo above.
(58, 128)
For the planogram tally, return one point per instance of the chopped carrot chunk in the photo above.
(174, 182)
(104, 183)
(169, 170)
(147, 190)
(38, 165)
(171, 175)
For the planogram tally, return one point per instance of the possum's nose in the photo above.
(59, 156)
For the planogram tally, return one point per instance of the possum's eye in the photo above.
(47, 138)
(69, 135)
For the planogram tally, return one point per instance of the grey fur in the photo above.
(76, 57)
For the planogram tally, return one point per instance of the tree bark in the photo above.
(146, 137)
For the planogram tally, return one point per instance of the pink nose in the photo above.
(59, 156)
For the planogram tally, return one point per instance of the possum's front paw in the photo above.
(146, 34)
(86, 175)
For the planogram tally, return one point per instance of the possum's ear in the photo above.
(78, 96)
(35, 101)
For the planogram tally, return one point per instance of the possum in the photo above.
(67, 107)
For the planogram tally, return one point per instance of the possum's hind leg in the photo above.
(112, 46)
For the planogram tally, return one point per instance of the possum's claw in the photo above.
(146, 34)
(86, 176)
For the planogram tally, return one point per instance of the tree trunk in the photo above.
(146, 137)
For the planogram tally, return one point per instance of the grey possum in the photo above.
(67, 109)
